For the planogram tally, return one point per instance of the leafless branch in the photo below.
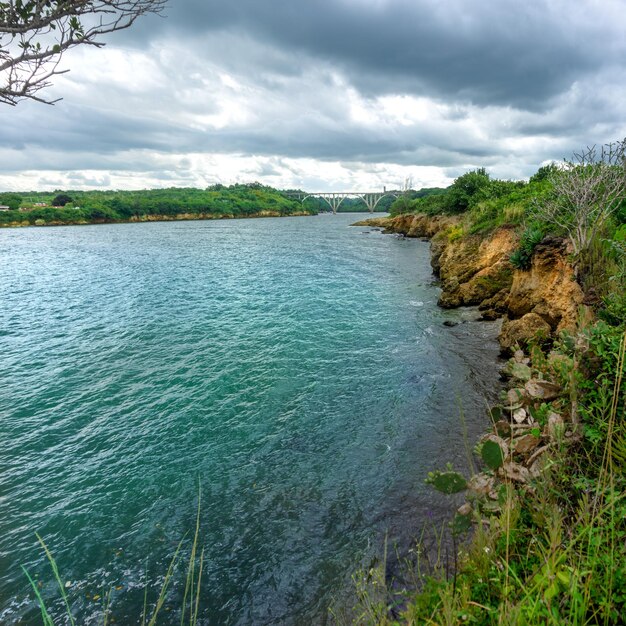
(587, 190)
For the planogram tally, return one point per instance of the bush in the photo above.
(462, 193)
(455, 233)
(544, 173)
(521, 259)
(588, 191)
(614, 298)
(12, 200)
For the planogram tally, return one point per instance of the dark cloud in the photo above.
(509, 52)
(369, 83)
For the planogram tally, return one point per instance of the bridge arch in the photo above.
(335, 198)
(372, 199)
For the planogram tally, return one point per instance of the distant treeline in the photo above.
(72, 207)
(356, 205)
(474, 191)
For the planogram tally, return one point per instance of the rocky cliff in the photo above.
(475, 270)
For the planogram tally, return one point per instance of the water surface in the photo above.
(294, 371)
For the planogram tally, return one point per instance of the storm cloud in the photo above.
(327, 93)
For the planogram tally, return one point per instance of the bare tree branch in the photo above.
(587, 190)
(34, 34)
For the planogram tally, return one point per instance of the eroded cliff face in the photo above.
(412, 225)
(545, 299)
(475, 270)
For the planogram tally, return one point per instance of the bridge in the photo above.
(335, 198)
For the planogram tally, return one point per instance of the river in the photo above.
(294, 372)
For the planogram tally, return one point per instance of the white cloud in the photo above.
(201, 170)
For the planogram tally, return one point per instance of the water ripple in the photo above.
(300, 371)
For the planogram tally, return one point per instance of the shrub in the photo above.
(61, 200)
(455, 233)
(522, 257)
(588, 190)
(12, 200)
(461, 195)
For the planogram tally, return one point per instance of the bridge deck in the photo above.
(335, 198)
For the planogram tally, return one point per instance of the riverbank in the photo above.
(68, 207)
(546, 514)
(538, 303)
(181, 217)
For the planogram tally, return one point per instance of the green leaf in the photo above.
(502, 495)
(519, 371)
(491, 453)
(447, 482)
(495, 413)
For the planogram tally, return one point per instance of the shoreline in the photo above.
(181, 217)
(475, 270)
(523, 500)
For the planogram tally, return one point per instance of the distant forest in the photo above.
(72, 207)
(218, 201)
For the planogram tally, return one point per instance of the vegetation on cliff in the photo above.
(543, 531)
(547, 514)
(83, 207)
(578, 206)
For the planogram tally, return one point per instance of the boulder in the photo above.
(489, 315)
(519, 332)
(515, 472)
(519, 416)
(474, 269)
(496, 302)
(503, 428)
(549, 289)
(526, 444)
(450, 299)
(481, 484)
(542, 390)
(555, 426)
(487, 283)
(515, 397)
(465, 509)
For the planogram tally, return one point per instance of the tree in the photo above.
(544, 173)
(34, 34)
(465, 187)
(12, 200)
(588, 190)
(61, 200)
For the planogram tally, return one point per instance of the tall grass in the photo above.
(190, 606)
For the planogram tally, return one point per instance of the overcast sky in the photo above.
(326, 95)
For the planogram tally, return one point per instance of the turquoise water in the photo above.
(294, 371)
